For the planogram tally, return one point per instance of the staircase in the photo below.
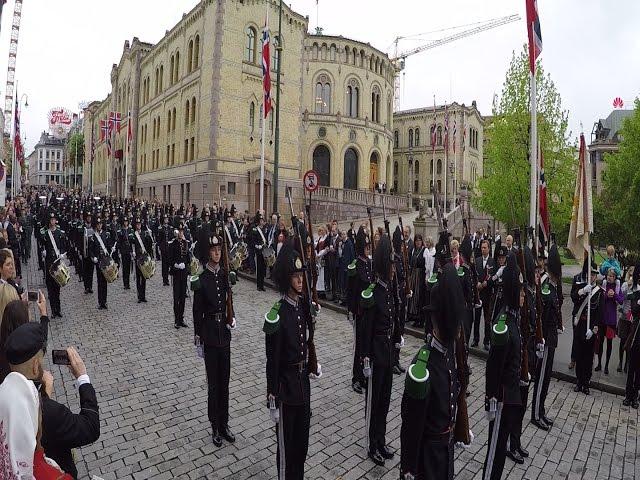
(345, 205)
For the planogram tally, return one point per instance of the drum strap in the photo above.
(235, 226)
(264, 240)
(137, 234)
(228, 235)
(53, 242)
(104, 249)
(576, 320)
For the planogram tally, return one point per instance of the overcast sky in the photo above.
(591, 49)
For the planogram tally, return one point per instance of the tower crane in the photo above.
(11, 67)
(399, 59)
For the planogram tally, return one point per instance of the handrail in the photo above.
(362, 197)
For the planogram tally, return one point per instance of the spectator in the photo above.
(624, 321)
(45, 468)
(346, 255)
(611, 262)
(16, 314)
(8, 293)
(280, 242)
(8, 270)
(612, 298)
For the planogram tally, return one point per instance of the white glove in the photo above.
(586, 289)
(410, 294)
(274, 413)
(181, 265)
(94, 259)
(464, 445)
(401, 344)
(499, 273)
(318, 374)
(316, 306)
(367, 368)
(540, 349)
(493, 407)
(233, 324)
(589, 334)
(561, 330)
(258, 247)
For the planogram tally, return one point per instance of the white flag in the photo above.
(582, 215)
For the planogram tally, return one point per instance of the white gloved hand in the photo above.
(316, 306)
(181, 265)
(233, 324)
(589, 334)
(586, 289)
(493, 407)
(94, 260)
(401, 343)
(367, 368)
(561, 330)
(274, 414)
(464, 445)
(318, 374)
(410, 294)
(500, 271)
(540, 349)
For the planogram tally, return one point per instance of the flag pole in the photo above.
(433, 156)
(533, 147)
(454, 186)
(126, 159)
(446, 155)
(262, 123)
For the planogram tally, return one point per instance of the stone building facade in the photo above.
(46, 162)
(194, 102)
(417, 161)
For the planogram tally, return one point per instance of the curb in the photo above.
(476, 352)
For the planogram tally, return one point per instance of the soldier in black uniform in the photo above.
(400, 300)
(360, 276)
(585, 294)
(165, 235)
(86, 231)
(203, 234)
(53, 240)
(377, 350)
(551, 310)
(429, 403)
(259, 242)
(142, 244)
(125, 250)
(213, 332)
(288, 389)
(100, 247)
(632, 344)
(179, 260)
(495, 284)
(503, 398)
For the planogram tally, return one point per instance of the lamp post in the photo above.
(276, 147)
(15, 165)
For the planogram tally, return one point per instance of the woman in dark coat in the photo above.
(417, 281)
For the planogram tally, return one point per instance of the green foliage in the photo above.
(503, 192)
(617, 211)
(75, 141)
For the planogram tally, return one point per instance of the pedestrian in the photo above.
(322, 249)
(632, 345)
(485, 268)
(611, 262)
(613, 298)
(259, 242)
(178, 257)
(417, 267)
(54, 244)
(624, 319)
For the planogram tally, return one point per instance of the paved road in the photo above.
(152, 394)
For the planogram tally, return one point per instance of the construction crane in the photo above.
(11, 67)
(398, 59)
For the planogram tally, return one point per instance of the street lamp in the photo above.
(16, 174)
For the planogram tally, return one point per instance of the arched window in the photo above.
(177, 67)
(395, 168)
(416, 177)
(332, 52)
(196, 52)
(439, 136)
(326, 97)
(187, 113)
(322, 164)
(350, 169)
(353, 99)
(252, 116)
(190, 57)
(396, 139)
(193, 109)
(250, 45)
(347, 53)
(439, 185)
(354, 59)
(172, 67)
(161, 76)
(431, 172)
(410, 137)
(173, 125)
(169, 122)
(323, 95)
(417, 137)
(439, 168)
(276, 53)
(314, 51)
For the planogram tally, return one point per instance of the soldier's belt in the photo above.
(384, 333)
(443, 438)
(218, 317)
(300, 366)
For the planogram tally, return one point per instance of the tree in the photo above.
(503, 192)
(617, 211)
(75, 141)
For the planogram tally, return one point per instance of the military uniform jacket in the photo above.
(256, 239)
(50, 253)
(165, 235)
(596, 302)
(178, 253)
(287, 374)
(550, 320)
(124, 245)
(377, 326)
(356, 284)
(504, 362)
(95, 249)
(203, 234)
(147, 241)
(467, 285)
(209, 308)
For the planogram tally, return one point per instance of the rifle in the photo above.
(558, 304)
(539, 337)
(230, 276)
(308, 284)
(524, 312)
(373, 245)
(405, 259)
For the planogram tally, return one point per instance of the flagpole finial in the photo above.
(581, 129)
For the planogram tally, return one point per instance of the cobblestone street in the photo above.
(152, 394)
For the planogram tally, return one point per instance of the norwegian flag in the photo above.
(454, 135)
(115, 121)
(104, 130)
(17, 141)
(266, 68)
(129, 131)
(543, 211)
(535, 33)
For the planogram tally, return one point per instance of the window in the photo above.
(353, 93)
(250, 45)
(172, 68)
(231, 188)
(190, 57)
(196, 55)
(161, 76)
(173, 123)
(252, 116)
(439, 136)
(323, 95)
(410, 138)
(188, 192)
(182, 194)
(375, 104)
(395, 139)
(332, 52)
(193, 110)
(276, 53)
(177, 67)
(395, 168)
(416, 177)
(187, 115)
(169, 121)
(192, 149)
(173, 154)
(417, 137)
(48, 153)
(185, 158)
(350, 169)
(439, 169)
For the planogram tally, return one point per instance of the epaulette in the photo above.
(433, 279)
(499, 331)
(460, 271)
(272, 319)
(366, 297)
(416, 383)
(545, 290)
(43, 231)
(351, 269)
(194, 282)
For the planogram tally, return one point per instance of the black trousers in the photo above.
(217, 362)
(436, 460)
(381, 383)
(179, 294)
(87, 270)
(541, 385)
(126, 269)
(516, 431)
(53, 292)
(165, 267)
(357, 374)
(141, 284)
(584, 359)
(102, 287)
(486, 316)
(467, 323)
(16, 258)
(295, 420)
(497, 451)
(633, 375)
(261, 269)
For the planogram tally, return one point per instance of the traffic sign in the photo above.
(311, 181)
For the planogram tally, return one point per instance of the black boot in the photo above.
(215, 437)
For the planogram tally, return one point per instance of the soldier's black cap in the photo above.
(24, 343)
(502, 251)
(447, 303)
(554, 264)
(287, 263)
(512, 282)
(361, 241)
(382, 257)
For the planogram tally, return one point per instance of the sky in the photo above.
(590, 47)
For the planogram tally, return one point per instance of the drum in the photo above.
(243, 251)
(146, 265)
(60, 272)
(269, 256)
(109, 269)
